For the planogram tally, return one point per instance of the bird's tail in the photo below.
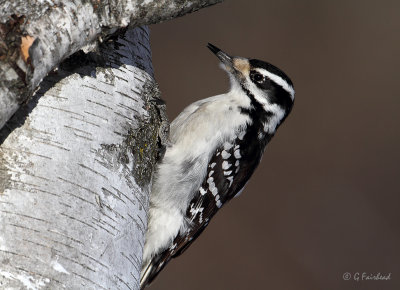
(145, 274)
(151, 268)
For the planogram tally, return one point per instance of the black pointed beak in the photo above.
(223, 57)
(213, 48)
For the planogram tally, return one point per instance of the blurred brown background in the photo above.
(325, 199)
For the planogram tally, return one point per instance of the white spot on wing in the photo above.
(213, 164)
(226, 165)
(196, 211)
(237, 163)
(227, 172)
(202, 191)
(225, 154)
(211, 173)
(227, 145)
(217, 201)
(211, 186)
(237, 154)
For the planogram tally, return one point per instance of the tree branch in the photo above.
(35, 36)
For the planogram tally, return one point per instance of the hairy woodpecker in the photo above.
(215, 146)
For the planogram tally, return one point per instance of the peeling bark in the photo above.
(35, 36)
(75, 171)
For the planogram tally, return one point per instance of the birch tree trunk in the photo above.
(75, 172)
(76, 160)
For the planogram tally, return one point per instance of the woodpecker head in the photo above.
(263, 82)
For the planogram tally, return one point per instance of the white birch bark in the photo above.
(76, 161)
(75, 173)
(35, 36)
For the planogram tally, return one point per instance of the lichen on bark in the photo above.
(5, 176)
(148, 142)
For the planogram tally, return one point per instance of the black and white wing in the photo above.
(228, 171)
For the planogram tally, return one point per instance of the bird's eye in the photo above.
(257, 77)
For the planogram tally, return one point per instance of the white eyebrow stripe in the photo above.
(278, 80)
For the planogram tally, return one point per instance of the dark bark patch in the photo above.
(12, 40)
(144, 145)
(5, 177)
(148, 142)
